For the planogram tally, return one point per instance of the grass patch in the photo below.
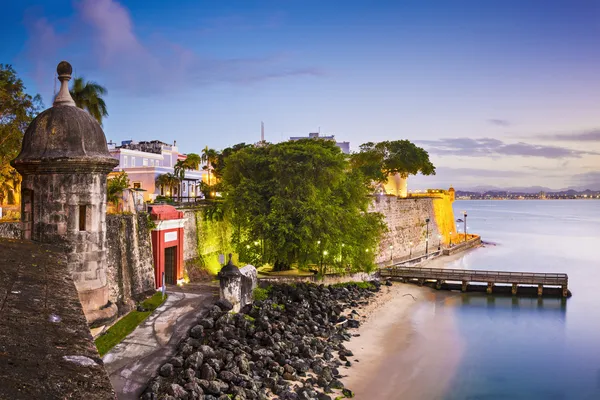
(360, 285)
(116, 333)
(280, 307)
(261, 294)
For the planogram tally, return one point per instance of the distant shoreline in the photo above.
(525, 199)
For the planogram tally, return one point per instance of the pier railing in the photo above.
(460, 275)
(490, 278)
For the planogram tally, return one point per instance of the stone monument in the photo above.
(64, 162)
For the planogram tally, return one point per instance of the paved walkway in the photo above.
(132, 363)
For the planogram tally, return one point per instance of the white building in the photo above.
(144, 162)
(344, 146)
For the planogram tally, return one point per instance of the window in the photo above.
(137, 185)
(184, 187)
(82, 217)
(125, 159)
(145, 162)
(157, 163)
(152, 163)
(132, 161)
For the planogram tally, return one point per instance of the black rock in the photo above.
(197, 332)
(166, 370)
(224, 305)
(208, 373)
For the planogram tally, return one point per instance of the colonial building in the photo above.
(344, 146)
(144, 162)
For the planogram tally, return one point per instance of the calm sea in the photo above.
(525, 348)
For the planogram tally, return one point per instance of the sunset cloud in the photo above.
(488, 147)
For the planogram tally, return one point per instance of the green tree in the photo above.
(17, 110)
(169, 181)
(192, 162)
(115, 187)
(88, 96)
(300, 203)
(209, 156)
(377, 161)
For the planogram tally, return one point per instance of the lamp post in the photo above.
(410, 254)
(391, 254)
(439, 242)
(451, 238)
(465, 220)
(427, 239)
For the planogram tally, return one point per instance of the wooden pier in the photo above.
(491, 278)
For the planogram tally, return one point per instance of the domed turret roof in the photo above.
(64, 133)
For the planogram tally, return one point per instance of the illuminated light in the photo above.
(318, 242)
(367, 250)
(391, 246)
(256, 243)
(168, 193)
(247, 246)
(343, 244)
(325, 253)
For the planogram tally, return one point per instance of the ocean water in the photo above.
(526, 348)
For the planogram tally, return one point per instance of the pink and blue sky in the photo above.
(501, 92)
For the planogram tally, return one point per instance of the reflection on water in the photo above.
(525, 347)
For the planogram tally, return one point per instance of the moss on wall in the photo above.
(213, 237)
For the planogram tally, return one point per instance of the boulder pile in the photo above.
(289, 345)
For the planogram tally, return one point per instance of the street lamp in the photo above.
(451, 238)
(427, 239)
(410, 254)
(391, 254)
(439, 242)
(465, 215)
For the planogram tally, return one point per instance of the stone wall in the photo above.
(10, 230)
(130, 262)
(405, 218)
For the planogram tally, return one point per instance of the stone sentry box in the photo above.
(64, 162)
(237, 284)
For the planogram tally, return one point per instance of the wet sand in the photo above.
(401, 353)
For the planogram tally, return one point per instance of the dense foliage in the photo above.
(115, 187)
(17, 110)
(299, 203)
(379, 160)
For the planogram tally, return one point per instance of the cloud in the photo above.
(488, 147)
(499, 122)
(585, 136)
(102, 40)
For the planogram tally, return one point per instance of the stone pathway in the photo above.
(132, 363)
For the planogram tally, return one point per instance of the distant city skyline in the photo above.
(501, 93)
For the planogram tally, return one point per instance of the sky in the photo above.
(500, 93)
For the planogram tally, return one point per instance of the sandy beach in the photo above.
(401, 353)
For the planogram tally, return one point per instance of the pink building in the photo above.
(145, 161)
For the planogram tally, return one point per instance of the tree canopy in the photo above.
(17, 110)
(299, 203)
(379, 160)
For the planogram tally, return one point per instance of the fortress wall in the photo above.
(405, 218)
(130, 262)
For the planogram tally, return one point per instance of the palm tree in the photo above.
(192, 161)
(167, 180)
(179, 172)
(88, 96)
(209, 156)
